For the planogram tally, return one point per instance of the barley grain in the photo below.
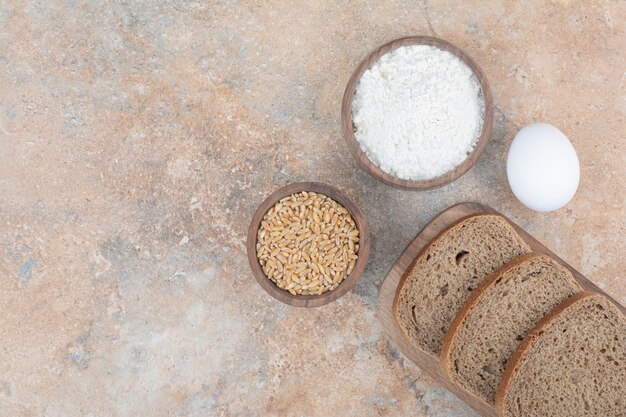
(307, 244)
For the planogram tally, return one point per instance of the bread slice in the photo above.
(497, 316)
(443, 275)
(572, 364)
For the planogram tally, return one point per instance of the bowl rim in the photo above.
(347, 284)
(348, 128)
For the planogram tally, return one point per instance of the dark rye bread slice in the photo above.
(497, 316)
(443, 275)
(572, 364)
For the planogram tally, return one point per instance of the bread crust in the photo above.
(443, 233)
(513, 365)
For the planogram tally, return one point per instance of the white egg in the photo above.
(542, 167)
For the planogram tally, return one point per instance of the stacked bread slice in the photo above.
(512, 327)
(572, 364)
(440, 280)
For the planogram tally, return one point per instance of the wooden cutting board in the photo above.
(390, 284)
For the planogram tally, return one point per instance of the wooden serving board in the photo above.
(390, 284)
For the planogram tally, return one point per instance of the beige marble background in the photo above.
(137, 139)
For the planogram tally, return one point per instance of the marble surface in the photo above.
(137, 139)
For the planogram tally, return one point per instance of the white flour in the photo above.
(418, 112)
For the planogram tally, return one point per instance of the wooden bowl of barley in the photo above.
(253, 246)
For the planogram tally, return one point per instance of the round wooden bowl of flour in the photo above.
(482, 135)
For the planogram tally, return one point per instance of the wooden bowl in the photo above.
(308, 300)
(348, 127)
